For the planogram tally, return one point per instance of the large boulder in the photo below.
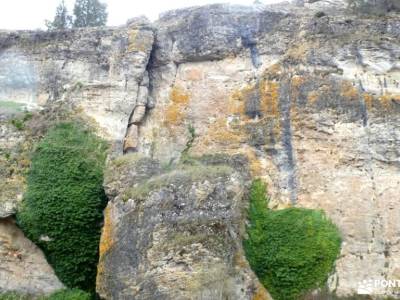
(175, 234)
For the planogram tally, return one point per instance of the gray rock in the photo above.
(175, 235)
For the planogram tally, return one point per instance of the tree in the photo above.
(89, 13)
(61, 20)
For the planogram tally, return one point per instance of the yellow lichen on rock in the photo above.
(106, 241)
(219, 132)
(312, 97)
(348, 91)
(175, 111)
(387, 100)
(137, 41)
(297, 81)
(368, 99)
(269, 92)
(261, 294)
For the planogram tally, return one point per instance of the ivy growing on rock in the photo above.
(291, 250)
(62, 208)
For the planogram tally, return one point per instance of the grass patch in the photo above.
(292, 250)
(69, 294)
(62, 208)
(11, 106)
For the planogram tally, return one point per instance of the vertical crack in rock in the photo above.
(249, 42)
(132, 135)
(288, 165)
(143, 99)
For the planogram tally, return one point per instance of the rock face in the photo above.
(310, 99)
(24, 268)
(100, 72)
(175, 234)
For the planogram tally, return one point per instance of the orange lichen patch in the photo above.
(297, 81)
(178, 95)
(173, 115)
(175, 111)
(261, 294)
(387, 100)
(236, 103)
(269, 92)
(368, 99)
(312, 97)
(240, 261)
(137, 41)
(237, 100)
(107, 241)
(273, 71)
(254, 162)
(349, 91)
(219, 132)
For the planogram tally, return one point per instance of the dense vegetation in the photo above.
(63, 204)
(291, 250)
(72, 294)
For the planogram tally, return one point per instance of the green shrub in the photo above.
(62, 208)
(13, 296)
(18, 124)
(73, 294)
(291, 250)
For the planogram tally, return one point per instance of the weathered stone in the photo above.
(323, 132)
(24, 268)
(96, 71)
(175, 235)
(138, 115)
(131, 138)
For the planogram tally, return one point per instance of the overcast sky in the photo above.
(30, 14)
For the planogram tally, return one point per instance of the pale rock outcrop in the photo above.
(97, 71)
(24, 268)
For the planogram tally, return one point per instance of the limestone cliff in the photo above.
(309, 101)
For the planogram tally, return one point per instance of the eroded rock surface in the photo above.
(175, 234)
(312, 100)
(24, 268)
(96, 71)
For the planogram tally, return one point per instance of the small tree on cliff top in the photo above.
(61, 20)
(90, 13)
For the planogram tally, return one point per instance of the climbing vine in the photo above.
(62, 208)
